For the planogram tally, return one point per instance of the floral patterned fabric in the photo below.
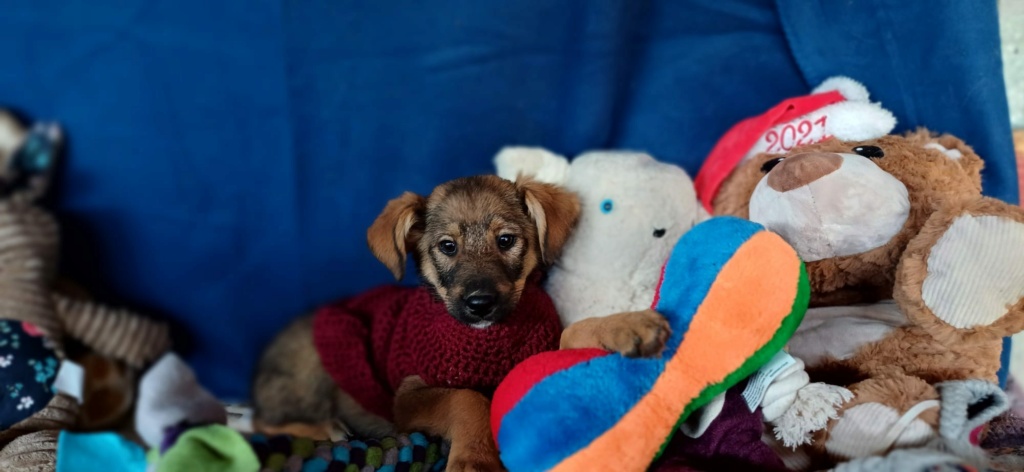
(28, 367)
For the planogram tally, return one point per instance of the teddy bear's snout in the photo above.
(801, 169)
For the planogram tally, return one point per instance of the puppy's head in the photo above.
(476, 240)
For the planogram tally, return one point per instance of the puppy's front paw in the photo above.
(474, 457)
(632, 334)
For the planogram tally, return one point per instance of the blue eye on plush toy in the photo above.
(606, 206)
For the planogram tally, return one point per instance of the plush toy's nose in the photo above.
(799, 170)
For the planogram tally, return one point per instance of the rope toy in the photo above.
(403, 453)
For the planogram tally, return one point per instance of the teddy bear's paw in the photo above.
(966, 269)
(815, 405)
(872, 428)
(891, 412)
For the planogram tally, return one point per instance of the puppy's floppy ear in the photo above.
(554, 210)
(397, 230)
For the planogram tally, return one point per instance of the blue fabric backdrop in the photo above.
(226, 157)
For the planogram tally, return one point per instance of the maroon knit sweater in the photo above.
(370, 342)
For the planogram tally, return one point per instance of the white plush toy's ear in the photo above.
(539, 163)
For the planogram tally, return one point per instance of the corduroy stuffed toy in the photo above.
(915, 276)
(35, 322)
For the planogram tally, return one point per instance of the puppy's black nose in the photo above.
(481, 303)
(659, 232)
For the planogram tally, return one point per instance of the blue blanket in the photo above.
(226, 157)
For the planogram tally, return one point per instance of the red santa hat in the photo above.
(840, 107)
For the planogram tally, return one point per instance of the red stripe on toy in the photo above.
(528, 373)
(657, 290)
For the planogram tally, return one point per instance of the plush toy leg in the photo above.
(962, 277)
(119, 334)
(895, 411)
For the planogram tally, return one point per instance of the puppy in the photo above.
(424, 359)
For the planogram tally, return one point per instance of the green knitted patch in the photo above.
(276, 461)
(433, 453)
(303, 447)
(375, 457)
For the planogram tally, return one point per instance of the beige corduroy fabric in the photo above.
(29, 244)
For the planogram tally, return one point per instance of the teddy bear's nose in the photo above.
(801, 169)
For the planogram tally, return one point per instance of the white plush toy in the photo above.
(634, 211)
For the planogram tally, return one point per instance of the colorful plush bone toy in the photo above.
(733, 294)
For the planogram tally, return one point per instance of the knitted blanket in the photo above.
(404, 453)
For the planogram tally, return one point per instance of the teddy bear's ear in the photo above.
(954, 148)
(537, 163)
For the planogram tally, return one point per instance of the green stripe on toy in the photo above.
(733, 294)
(789, 325)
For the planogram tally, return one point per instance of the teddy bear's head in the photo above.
(849, 208)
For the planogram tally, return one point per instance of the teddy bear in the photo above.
(915, 276)
(39, 328)
(634, 209)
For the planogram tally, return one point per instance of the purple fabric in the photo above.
(731, 442)
(171, 434)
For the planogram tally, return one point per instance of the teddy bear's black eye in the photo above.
(768, 166)
(871, 152)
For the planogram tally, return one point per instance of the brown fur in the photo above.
(634, 334)
(293, 394)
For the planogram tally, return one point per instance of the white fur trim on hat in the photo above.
(851, 89)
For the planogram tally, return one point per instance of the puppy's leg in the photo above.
(462, 416)
(293, 394)
(633, 333)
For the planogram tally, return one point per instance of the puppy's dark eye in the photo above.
(870, 152)
(506, 241)
(448, 248)
(768, 166)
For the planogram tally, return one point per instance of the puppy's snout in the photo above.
(659, 232)
(481, 302)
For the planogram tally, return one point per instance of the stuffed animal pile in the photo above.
(915, 276)
(587, 409)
